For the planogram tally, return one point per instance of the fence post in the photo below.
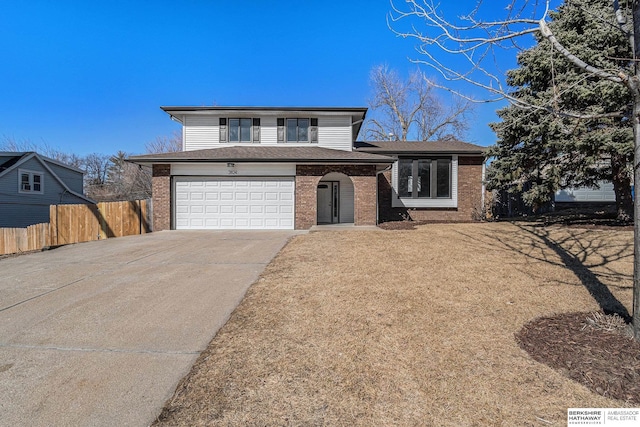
(103, 223)
(53, 225)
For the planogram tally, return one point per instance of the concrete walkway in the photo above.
(100, 333)
(343, 227)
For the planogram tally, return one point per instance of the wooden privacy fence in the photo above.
(79, 223)
(14, 240)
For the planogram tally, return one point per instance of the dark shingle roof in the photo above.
(10, 159)
(264, 154)
(262, 108)
(417, 147)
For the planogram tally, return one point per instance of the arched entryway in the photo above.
(335, 199)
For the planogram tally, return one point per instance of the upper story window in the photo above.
(239, 130)
(30, 182)
(424, 178)
(298, 130)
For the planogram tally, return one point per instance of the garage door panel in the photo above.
(211, 223)
(226, 222)
(234, 203)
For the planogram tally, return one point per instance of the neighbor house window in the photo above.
(240, 130)
(30, 182)
(424, 178)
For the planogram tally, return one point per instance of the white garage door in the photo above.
(234, 203)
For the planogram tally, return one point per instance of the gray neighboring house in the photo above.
(570, 196)
(30, 183)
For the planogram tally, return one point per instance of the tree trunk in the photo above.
(636, 223)
(634, 86)
(622, 188)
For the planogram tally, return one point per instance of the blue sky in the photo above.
(84, 76)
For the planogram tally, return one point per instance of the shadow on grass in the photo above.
(576, 250)
(574, 262)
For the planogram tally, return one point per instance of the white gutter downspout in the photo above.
(388, 168)
(484, 186)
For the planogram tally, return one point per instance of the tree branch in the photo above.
(617, 78)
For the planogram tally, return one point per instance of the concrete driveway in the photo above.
(100, 333)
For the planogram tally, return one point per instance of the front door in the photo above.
(328, 202)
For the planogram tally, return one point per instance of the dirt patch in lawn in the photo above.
(407, 328)
(590, 348)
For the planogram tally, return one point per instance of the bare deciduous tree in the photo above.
(96, 167)
(11, 144)
(126, 181)
(107, 178)
(466, 50)
(409, 109)
(165, 144)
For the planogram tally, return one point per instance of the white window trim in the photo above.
(405, 202)
(31, 175)
(252, 128)
(312, 131)
(286, 130)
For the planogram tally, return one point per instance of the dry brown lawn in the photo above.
(406, 328)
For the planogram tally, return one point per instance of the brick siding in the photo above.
(469, 197)
(364, 186)
(161, 190)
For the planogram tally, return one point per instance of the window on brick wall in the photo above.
(425, 182)
(424, 178)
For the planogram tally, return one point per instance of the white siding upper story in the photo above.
(202, 131)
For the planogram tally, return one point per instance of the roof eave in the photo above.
(259, 160)
(420, 152)
(263, 108)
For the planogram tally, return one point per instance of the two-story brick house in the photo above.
(294, 167)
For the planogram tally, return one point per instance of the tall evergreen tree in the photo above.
(550, 151)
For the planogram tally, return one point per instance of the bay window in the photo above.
(424, 178)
